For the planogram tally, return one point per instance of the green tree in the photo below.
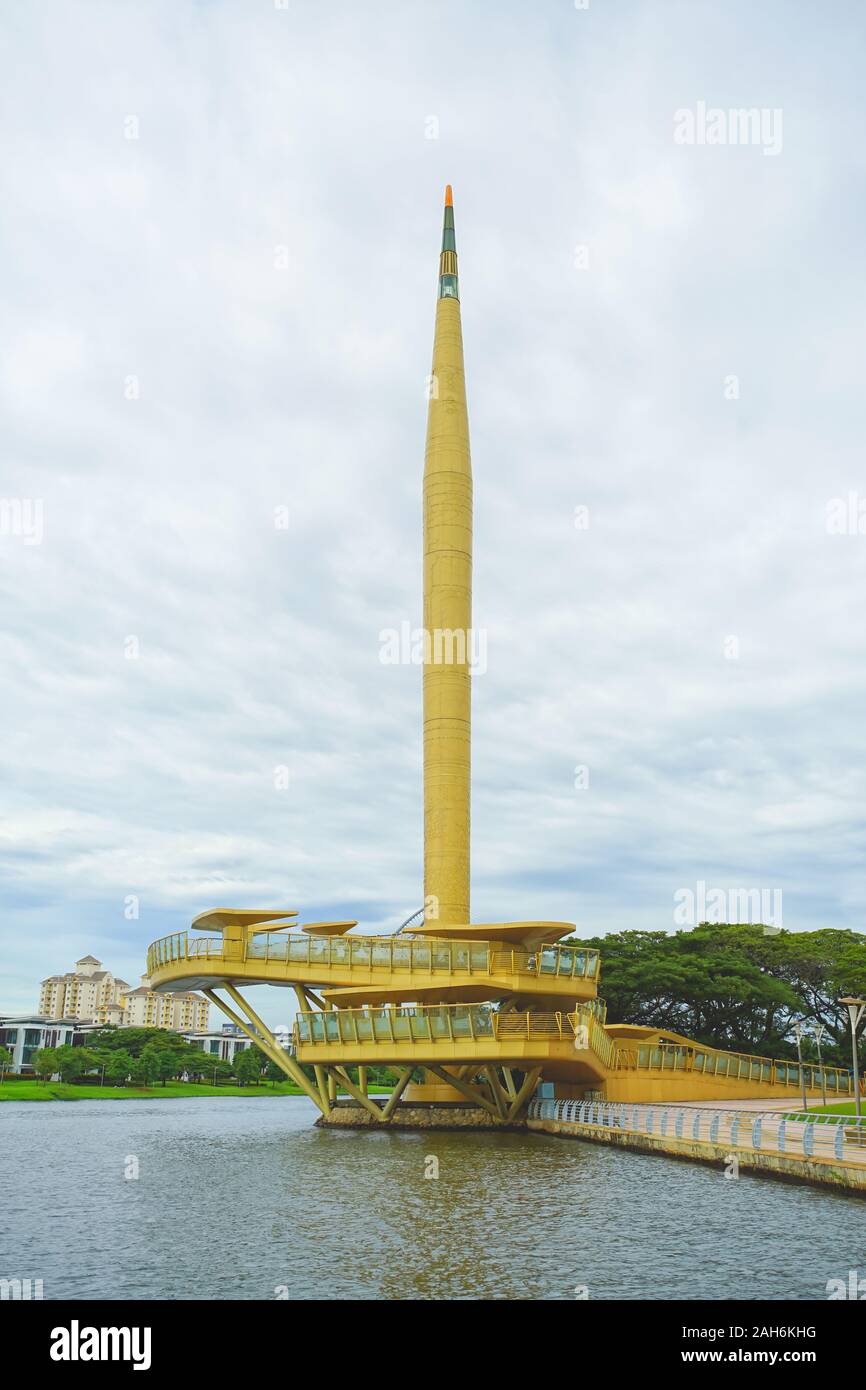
(248, 1065)
(168, 1062)
(273, 1073)
(224, 1070)
(45, 1063)
(119, 1067)
(74, 1062)
(737, 986)
(208, 1068)
(5, 1059)
(145, 1067)
(135, 1040)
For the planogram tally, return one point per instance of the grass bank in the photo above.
(839, 1107)
(172, 1090)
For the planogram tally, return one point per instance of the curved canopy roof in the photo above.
(218, 918)
(514, 933)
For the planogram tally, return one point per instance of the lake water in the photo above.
(239, 1198)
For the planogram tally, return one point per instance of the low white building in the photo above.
(23, 1035)
(224, 1045)
(221, 1046)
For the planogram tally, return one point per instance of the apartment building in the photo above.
(91, 994)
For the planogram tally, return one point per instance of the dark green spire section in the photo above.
(449, 287)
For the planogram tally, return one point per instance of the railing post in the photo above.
(696, 1125)
(838, 1138)
(714, 1128)
(780, 1137)
(756, 1133)
(678, 1126)
(809, 1138)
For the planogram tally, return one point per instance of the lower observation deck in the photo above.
(573, 1045)
(574, 1048)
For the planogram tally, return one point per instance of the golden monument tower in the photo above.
(484, 1012)
(447, 606)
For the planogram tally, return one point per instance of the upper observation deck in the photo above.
(487, 962)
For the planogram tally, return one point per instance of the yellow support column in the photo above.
(264, 1040)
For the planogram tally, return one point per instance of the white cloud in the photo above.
(303, 387)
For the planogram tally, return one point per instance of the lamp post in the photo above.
(856, 1008)
(820, 1030)
(798, 1034)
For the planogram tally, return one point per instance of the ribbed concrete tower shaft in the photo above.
(447, 606)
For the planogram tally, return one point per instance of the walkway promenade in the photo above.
(775, 1139)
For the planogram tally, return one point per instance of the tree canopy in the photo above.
(735, 986)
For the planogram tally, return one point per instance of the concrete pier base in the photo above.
(421, 1115)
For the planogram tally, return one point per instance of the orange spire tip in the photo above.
(449, 197)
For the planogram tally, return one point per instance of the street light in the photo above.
(820, 1030)
(856, 1008)
(798, 1034)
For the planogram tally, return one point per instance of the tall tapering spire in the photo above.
(447, 607)
(449, 287)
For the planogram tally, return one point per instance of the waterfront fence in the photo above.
(806, 1133)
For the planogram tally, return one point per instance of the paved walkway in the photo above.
(753, 1124)
(791, 1105)
(823, 1136)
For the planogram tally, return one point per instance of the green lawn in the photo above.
(57, 1090)
(839, 1107)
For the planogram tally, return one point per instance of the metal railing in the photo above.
(420, 955)
(738, 1065)
(447, 1023)
(838, 1137)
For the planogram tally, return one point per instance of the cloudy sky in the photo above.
(219, 249)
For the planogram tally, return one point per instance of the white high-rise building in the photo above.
(93, 995)
(182, 1012)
